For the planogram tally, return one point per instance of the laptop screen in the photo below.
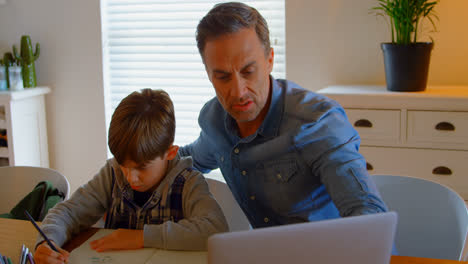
(365, 239)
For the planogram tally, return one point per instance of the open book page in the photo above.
(178, 257)
(85, 255)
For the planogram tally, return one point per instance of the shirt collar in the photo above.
(272, 121)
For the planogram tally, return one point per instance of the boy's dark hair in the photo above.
(142, 127)
(226, 18)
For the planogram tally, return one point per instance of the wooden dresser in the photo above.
(419, 134)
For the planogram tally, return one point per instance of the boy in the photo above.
(148, 193)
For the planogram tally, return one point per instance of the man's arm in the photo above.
(202, 153)
(332, 150)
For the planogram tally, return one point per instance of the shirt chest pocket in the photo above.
(279, 171)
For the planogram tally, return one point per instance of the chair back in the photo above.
(235, 217)
(433, 219)
(18, 181)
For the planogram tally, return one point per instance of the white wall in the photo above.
(69, 33)
(338, 42)
(328, 42)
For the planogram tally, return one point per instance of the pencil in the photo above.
(40, 231)
(21, 255)
(24, 255)
(30, 258)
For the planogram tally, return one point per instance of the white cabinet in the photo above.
(419, 134)
(23, 128)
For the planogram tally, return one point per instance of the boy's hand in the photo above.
(119, 239)
(44, 254)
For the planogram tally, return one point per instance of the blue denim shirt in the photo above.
(302, 164)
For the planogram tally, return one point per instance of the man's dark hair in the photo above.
(226, 18)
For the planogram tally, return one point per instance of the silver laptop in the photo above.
(366, 239)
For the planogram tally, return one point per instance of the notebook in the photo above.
(85, 255)
(366, 239)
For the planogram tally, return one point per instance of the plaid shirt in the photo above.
(161, 207)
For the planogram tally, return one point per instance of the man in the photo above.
(289, 155)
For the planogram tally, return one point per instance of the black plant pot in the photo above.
(407, 66)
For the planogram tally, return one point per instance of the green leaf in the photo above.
(405, 17)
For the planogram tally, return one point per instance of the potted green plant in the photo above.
(407, 60)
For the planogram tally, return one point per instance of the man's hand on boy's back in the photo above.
(44, 254)
(119, 239)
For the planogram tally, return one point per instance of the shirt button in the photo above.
(244, 172)
(222, 158)
(236, 150)
(266, 220)
(278, 176)
(252, 197)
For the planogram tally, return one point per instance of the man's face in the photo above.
(239, 71)
(146, 178)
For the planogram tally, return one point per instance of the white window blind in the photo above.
(151, 44)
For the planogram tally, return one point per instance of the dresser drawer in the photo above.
(450, 128)
(444, 166)
(376, 125)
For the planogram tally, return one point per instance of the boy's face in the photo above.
(148, 177)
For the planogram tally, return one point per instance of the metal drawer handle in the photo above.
(363, 123)
(442, 170)
(445, 126)
(369, 166)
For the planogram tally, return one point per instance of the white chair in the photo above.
(235, 217)
(18, 181)
(432, 218)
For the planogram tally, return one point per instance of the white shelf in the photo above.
(6, 96)
(22, 116)
(443, 98)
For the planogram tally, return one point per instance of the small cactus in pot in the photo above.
(26, 58)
